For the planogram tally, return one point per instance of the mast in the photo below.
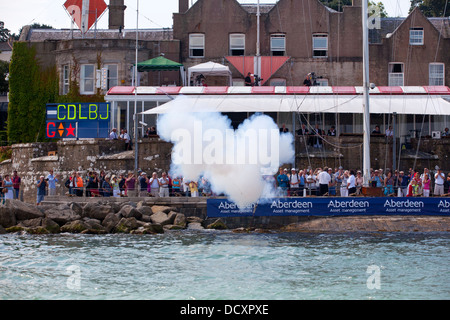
(257, 62)
(135, 93)
(366, 109)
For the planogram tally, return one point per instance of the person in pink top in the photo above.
(426, 183)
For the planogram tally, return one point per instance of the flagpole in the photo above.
(135, 93)
(366, 109)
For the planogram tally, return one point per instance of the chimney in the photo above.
(183, 6)
(357, 3)
(116, 14)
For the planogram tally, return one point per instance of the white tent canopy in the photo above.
(209, 68)
(401, 104)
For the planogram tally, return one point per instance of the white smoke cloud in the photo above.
(234, 161)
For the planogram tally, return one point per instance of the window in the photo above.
(237, 44)
(436, 74)
(87, 78)
(196, 45)
(113, 76)
(66, 79)
(320, 45)
(416, 36)
(278, 44)
(396, 74)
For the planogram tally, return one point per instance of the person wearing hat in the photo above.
(283, 182)
(41, 185)
(294, 182)
(115, 186)
(439, 179)
(143, 184)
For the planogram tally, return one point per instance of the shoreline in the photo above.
(159, 215)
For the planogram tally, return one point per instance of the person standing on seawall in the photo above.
(351, 183)
(16, 184)
(439, 179)
(8, 184)
(51, 180)
(41, 185)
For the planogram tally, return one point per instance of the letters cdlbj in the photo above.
(83, 111)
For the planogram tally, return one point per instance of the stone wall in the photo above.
(33, 159)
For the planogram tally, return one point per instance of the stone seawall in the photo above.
(196, 207)
(65, 156)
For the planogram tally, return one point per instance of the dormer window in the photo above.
(416, 36)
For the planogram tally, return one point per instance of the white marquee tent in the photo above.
(209, 68)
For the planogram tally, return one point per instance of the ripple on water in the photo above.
(224, 265)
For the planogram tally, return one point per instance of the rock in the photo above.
(7, 217)
(154, 227)
(171, 215)
(62, 214)
(173, 227)
(180, 220)
(2, 230)
(76, 226)
(126, 225)
(94, 231)
(164, 209)
(37, 230)
(148, 228)
(76, 207)
(128, 211)
(145, 210)
(160, 218)
(97, 210)
(110, 221)
(146, 218)
(24, 211)
(217, 225)
(94, 224)
(34, 226)
(195, 226)
(15, 229)
(50, 225)
(194, 219)
(31, 223)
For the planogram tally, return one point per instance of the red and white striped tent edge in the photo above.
(430, 100)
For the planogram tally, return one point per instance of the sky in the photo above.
(152, 13)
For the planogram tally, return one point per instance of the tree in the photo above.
(380, 6)
(337, 4)
(431, 8)
(30, 89)
(4, 33)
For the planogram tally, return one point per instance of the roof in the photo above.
(253, 8)
(290, 90)
(68, 34)
(158, 64)
(402, 100)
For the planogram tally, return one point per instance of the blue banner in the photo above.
(217, 208)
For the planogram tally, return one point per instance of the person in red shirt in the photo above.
(16, 184)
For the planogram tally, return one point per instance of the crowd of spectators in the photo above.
(305, 182)
(344, 183)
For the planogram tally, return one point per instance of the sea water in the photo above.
(211, 265)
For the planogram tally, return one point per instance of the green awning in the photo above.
(159, 64)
